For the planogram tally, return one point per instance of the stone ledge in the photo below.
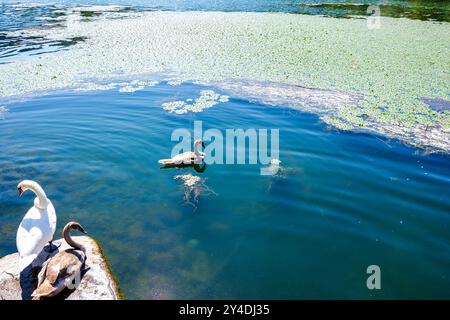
(97, 283)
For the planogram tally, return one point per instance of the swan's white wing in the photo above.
(188, 157)
(52, 220)
(30, 234)
(30, 242)
(35, 230)
(181, 158)
(178, 159)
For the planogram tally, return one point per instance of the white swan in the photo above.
(188, 157)
(37, 227)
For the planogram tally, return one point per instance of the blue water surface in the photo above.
(343, 201)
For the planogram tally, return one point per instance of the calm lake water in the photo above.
(341, 202)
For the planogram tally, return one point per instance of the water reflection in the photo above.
(411, 9)
(198, 167)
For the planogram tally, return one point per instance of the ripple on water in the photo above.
(3, 111)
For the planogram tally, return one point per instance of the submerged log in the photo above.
(97, 281)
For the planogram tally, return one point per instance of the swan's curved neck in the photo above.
(196, 152)
(70, 241)
(42, 197)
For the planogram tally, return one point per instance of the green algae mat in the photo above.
(396, 75)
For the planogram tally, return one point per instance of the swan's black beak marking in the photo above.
(80, 228)
(20, 191)
(203, 144)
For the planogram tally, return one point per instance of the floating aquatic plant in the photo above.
(273, 168)
(392, 68)
(278, 172)
(193, 187)
(124, 86)
(94, 87)
(174, 83)
(150, 83)
(131, 89)
(207, 99)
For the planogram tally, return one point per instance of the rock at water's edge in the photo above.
(97, 282)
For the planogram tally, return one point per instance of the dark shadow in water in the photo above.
(200, 168)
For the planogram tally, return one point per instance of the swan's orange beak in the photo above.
(20, 191)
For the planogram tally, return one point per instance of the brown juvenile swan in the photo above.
(188, 157)
(59, 272)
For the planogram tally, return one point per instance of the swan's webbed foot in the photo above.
(51, 247)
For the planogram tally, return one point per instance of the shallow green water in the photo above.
(341, 203)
